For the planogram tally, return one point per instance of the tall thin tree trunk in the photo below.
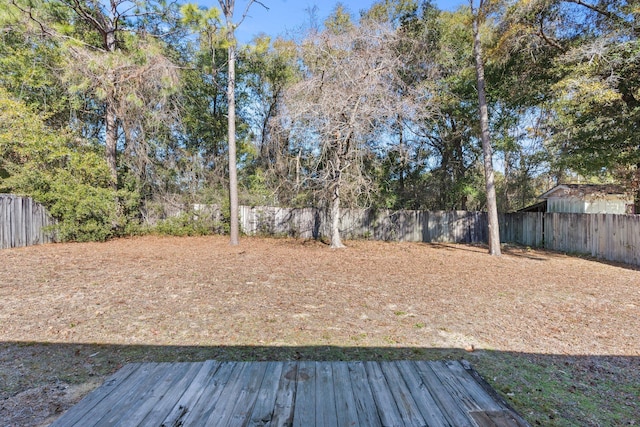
(336, 241)
(111, 115)
(487, 150)
(111, 140)
(636, 181)
(233, 171)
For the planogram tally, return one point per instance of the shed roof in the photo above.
(582, 190)
(536, 207)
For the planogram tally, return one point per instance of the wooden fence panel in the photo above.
(383, 224)
(23, 222)
(525, 228)
(605, 236)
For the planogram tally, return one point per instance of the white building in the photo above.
(588, 198)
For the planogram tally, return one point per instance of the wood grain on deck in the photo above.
(304, 393)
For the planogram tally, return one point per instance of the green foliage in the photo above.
(339, 21)
(29, 67)
(68, 176)
(185, 224)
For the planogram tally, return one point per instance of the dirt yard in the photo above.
(533, 323)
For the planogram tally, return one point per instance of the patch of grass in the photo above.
(565, 391)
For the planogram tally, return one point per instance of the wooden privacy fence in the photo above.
(383, 224)
(23, 222)
(606, 236)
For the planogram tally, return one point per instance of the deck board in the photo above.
(303, 393)
(385, 403)
(208, 398)
(94, 398)
(365, 403)
(285, 397)
(403, 397)
(265, 403)
(451, 407)
(428, 407)
(345, 402)
(305, 408)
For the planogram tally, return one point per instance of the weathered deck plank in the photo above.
(305, 404)
(265, 404)
(240, 396)
(93, 399)
(365, 403)
(427, 405)
(346, 409)
(119, 396)
(286, 395)
(129, 401)
(455, 415)
(405, 401)
(304, 393)
(147, 403)
(192, 393)
(385, 403)
(176, 392)
(208, 399)
(325, 396)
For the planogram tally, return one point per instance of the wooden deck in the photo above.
(211, 393)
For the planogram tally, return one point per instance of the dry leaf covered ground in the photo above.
(556, 335)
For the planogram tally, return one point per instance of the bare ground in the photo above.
(556, 335)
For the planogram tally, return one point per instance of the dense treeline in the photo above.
(115, 114)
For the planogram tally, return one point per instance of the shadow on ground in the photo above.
(563, 390)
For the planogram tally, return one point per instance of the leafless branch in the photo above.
(246, 10)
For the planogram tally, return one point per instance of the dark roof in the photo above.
(581, 190)
(538, 207)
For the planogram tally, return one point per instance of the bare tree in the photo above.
(487, 150)
(346, 101)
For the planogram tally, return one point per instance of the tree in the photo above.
(592, 95)
(346, 101)
(228, 7)
(269, 68)
(479, 14)
(448, 132)
(434, 164)
(115, 57)
(68, 175)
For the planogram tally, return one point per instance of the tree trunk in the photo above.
(111, 115)
(111, 140)
(487, 151)
(636, 183)
(233, 171)
(336, 241)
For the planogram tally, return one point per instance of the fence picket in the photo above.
(22, 222)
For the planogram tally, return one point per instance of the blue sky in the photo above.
(288, 15)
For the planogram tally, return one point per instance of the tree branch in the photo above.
(44, 29)
(613, 16)
(246, 10)
(547, 39)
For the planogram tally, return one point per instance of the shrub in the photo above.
(69, 176)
